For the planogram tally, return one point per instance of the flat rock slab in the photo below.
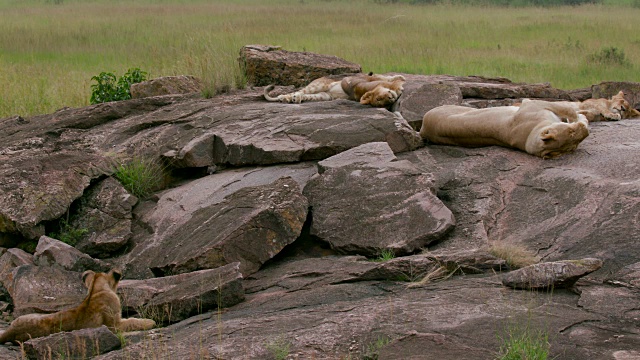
(347, 320)
(551, 275)
(78, 344)
(266, 64)
(212, 229)
(174, 298)
(368, 206)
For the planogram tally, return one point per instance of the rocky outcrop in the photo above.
(166, 85)
(49, 161)
(265, 65)
(278, 192)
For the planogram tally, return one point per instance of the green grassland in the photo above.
(49, 50)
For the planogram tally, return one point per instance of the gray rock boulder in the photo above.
(166, 85)
(551, 275)
(105, 213)
(371, 205)
(250, 225)
(55, 253)
(293, 68)
(174, 298)
(9, 261)
(38, 289)
(78, 344)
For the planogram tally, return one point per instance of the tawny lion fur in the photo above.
(604, 109)
(374, 90)
(100, 307)
(541, 128)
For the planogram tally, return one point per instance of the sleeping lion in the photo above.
(604, 109)
(375, 90)
(541, 128)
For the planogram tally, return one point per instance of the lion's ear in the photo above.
(547, 135)
(116, 274)
(366, 98)
(87, 278)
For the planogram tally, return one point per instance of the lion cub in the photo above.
(100, 307)
(374, 90)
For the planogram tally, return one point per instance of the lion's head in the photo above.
(558, 138)
(93, 280)
(621, 106)
(384, 94)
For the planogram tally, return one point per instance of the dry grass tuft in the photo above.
(516, 255)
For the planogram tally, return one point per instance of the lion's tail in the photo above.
(266, 93)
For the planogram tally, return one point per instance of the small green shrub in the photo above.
(68, 234)
(109, 88)
(28, 246)
(385, 255)
(140, 176)
(372, 351)
(279, 348)
(525, 344)
(609, 56)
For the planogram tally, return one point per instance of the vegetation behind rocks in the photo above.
(51, 50)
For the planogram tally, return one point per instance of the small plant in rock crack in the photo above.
(278, 348)
(140, 176)
(524, 343)
(69, 234)
(109, 88)
(385, 255)
(372, 351)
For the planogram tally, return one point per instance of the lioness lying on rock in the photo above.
(375, 90)
(604, 109)
(540, 128)
(100, 307)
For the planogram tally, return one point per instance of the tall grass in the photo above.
(49, 51)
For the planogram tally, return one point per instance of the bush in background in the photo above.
(108, 88)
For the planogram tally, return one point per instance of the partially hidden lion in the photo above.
(616, 108)
(374, 90)
(541, 128)
(100, 307)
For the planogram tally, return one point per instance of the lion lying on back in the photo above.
(540, 128)
(100, 307)
(375, 90)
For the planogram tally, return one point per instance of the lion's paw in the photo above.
(612, 116)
